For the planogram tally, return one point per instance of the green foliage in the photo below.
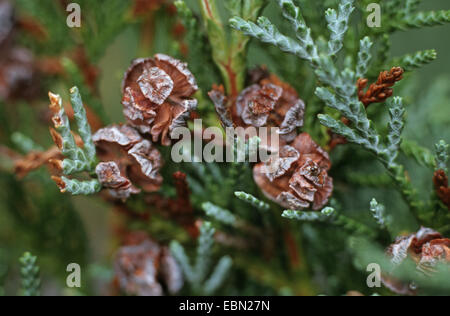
(325, 215)
(84, 128)
(379, 214)
(329, 215)
(52, 17)
(395, 129)
(338, 25)
(103, 22)
(29, 271)
(369, 180)
(77, 187)
(75, 77)
(421, 155)
(442, 155)
(423, 19)
(341, 91)
(229, 48)
(364, 57)
(219, 214)
(410, 62)
(3, 272)
(252, 201)
(366, 135)
(24, 143)
(199, 54)
(196, 275)
(78, 159)
(42, 220)
(266, 32)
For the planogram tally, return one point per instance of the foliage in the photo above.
(196, 275)
(29, 271)
(78, 159)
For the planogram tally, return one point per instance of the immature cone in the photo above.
(298, 178)
(128, 159)
(270, 103)
(426, 248)
(145, 268)
(157, 96)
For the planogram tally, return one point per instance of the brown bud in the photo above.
(382, 89)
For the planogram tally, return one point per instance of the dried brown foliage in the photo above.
(440, 181)
(35, 160)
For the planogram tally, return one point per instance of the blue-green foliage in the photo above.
(196, 275)
(29, 271)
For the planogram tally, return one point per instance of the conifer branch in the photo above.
(196, 275)
(219, 214)
(229, 54)
(329, 215)
(338, 25)
(442, 155)
(421, 155)
(378, 212)
(423, 19)
(79, 159)
(29, 271)
(24, 143)
(414, 61)
(252, 201)
(325, 215)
